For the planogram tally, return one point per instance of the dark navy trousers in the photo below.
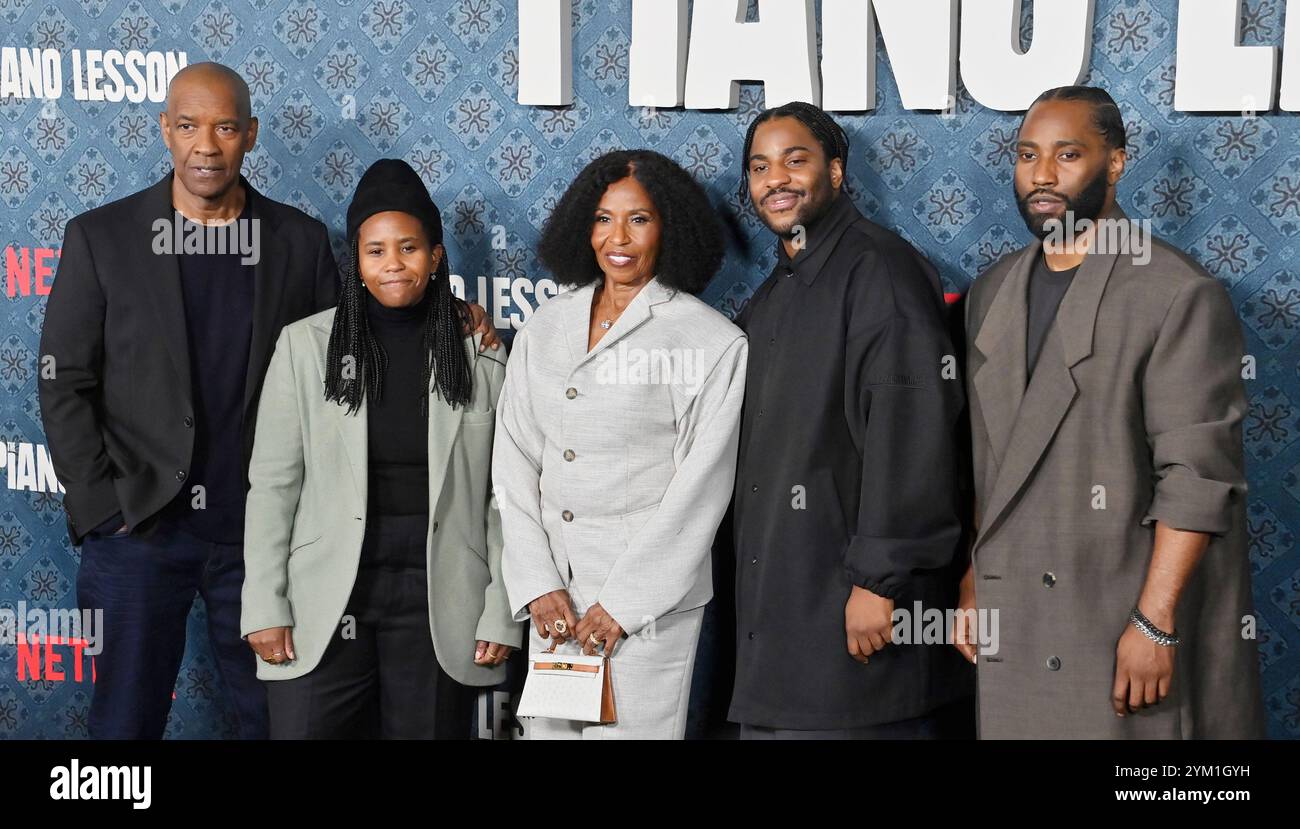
(145, 585)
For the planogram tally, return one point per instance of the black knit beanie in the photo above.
(391, 184)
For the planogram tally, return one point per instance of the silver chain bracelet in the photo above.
(1152, 632)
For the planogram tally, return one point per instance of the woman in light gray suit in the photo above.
(616, 438)
(373, 592)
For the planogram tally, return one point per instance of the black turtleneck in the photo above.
(398, 433)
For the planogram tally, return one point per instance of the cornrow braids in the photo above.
(1106, 115)
(831, 136)
(355, 362)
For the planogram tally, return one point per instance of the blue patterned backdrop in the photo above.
(339, 83)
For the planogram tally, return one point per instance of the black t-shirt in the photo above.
(1046, 290)
(217, 289)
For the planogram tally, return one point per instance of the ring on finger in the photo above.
(560, 626)
(593, 639)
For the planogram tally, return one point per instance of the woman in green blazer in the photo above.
(373, 593)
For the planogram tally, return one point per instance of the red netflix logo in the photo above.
(54, 659)
(30, 268)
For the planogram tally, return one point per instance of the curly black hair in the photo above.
(691, 245)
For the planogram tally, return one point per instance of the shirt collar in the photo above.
(820, 240)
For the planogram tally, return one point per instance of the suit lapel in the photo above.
(162, 281)
(1052, 388)
(577, 322)
(353, 428)
(444, 426)
(166, 293)
(268, 288)
(1045, 403)
(1000, 381)
(577, 315)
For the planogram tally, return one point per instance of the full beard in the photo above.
(1088, 204)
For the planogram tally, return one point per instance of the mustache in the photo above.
(1051, 193)
(800, 193)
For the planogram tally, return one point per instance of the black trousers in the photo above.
(379, 676)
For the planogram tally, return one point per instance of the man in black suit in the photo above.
(155, 359)
(158, 333)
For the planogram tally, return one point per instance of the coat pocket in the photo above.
(633, 521)
(482, 556)
(299, 540)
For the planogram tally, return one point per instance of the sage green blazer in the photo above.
(306, 512)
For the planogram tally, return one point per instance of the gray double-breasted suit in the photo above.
(1132, 416)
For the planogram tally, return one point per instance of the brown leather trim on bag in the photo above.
(565, 666)
(607, 713)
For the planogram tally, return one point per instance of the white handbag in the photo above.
(565, 687)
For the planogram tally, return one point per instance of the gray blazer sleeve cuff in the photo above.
(1192, 504)
(276, 614)
(500, 629)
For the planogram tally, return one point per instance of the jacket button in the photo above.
(1053, 663)
(180, 474)
(189, 421)
(753, 561)
(1049, 580)
(754, 488)
(566, 515)
(571, 393)
(568, 455)
(751, 634)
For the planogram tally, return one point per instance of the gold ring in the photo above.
(560, 626)
(593, 639)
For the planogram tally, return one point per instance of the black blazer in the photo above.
(115, 386)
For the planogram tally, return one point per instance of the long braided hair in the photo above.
(355, 362)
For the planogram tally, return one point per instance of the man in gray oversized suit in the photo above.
(1104, 379)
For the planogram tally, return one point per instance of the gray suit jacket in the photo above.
(306, 513)
(615, 466)
(1132, 416)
